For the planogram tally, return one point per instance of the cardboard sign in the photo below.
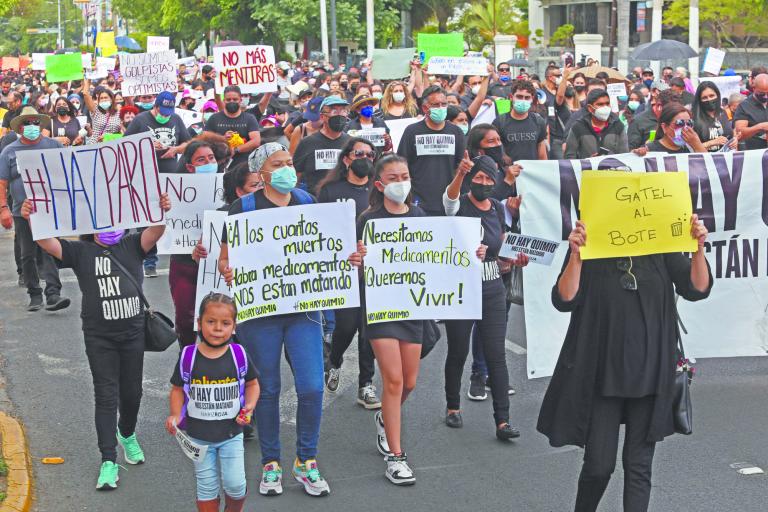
(422, 268)
(209, 278)
(293, 260)
(38, 61)
(191, 195)
(440, 45)
(148, 73)
(713, 61)
(87, 189)
(158, 44)
(614, 91)
(64, 67)
(105, 40)
(630, 214)
(374, 135)
(464, 66)
(392, 64)
(538, 250)
(252, 68)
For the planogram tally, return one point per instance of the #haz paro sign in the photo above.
(422, 268)
(294, 261)
(252, 68)
(148, 73)
(87, 189)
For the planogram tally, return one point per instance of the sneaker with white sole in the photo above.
(108, 476)
(131, 450)
(476, 389)
(332, 379)
(381, 436)
(308, 475)
(398, 471)
(366, 396)
(271, 480)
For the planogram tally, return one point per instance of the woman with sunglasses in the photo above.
(351, 180)
(676, 128)
(618, 362)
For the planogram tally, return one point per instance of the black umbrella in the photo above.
(518, 62)
(664, 49)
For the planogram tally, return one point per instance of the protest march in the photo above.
(231, 221)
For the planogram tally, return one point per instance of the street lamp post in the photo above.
(59, 39)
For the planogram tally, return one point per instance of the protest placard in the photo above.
(103, 66)
(635, 214)
(189, 117)
(111, 136)
(397, 127)
(252, 68)
(503, 106)
(186, 61)
(158, 44)
(374, 135)
(294, 261)
(10, 63)
(87, 61)
(437, 144)
(713, 61)
(148, 73)
(727, 85)
(485, 115)
(464, 66)
(38, 61)
(64, 67)
(105, 40)
(99, 187)
(194, 451)
(614, 91)
(538, 250)
(209, 278)
(422, 268)
(191, 195)
(108, 51)
(441, 45)
(392, 64)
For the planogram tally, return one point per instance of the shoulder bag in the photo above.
(682, 408)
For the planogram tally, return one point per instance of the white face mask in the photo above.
(475, 89)
(602, 113)
(398, 191)
(399, 97)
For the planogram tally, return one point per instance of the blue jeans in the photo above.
(230, 454)
(263, 339)
(151, 259)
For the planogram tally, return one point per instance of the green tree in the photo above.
(480, 26)
(563, 36)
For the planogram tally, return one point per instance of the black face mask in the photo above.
(480, 192)
(710, 105)
(579, 88)
(337, 123)
(362, 167)
(202, 338)
(761, 97)
(353, 86)
(497, 153)
(344, 85)
(62, 111)
(232, 108)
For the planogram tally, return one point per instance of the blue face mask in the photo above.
(623, 97)
(366, 111)
(438, 114)
(504, 79)
(31, 132)
(678, 138)
(210, 168)
(648, 83)
(283, 179)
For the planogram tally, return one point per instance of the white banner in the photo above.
(252, 68)
(100, 187)
(191, 195)
(423, 268)
(293, 260)
(208, 277)
(148, 73)
(157, 44)
(729, 193)
(459, 66)
(726, 84)
(38, 61)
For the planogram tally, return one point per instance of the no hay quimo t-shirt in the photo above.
(111, 304)
(316, 155)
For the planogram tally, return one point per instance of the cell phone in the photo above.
(569, 61)
(603, 151)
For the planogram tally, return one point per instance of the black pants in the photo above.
(602, 445)
(491, 331)
(117, 367)
(29, 253)
(348, 322)
(556, 149)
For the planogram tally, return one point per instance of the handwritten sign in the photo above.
(191, 195)
(209, 278)
(374, 135)
(440, 45)
(64, 67)
(464, 66)
(422, 269)
(614, 91)
(100, 187)
(157, 44)
(713, 61)
(252, 68)
(538, 250)
(148, 73)
(294, 261)
(632, 214)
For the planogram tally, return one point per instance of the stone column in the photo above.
(504, 47)
(589, 45)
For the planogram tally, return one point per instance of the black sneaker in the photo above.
(327, 351)
(506, 432)
(510, 389)
(56, 302)
(150, 272)
(35, 303)
(477, 387)
(454, 419)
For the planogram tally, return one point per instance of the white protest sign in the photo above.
(209, 278)
(614, 91)
(464, 66)
(157, 44)
(103, 66)
(87, 60)
(83, 120)
(713, 61)
(189, 117)
(422, 268)
(38, 61)
(538, 250)
(148, 73)
(196, 452)
(99, 187)
(397, 127)
(726, 84)
(374, 135)
(293, 260)
(191, 195)
(186, 61)
(728, 194)
(485, 115)
(439, 144)
(252, 68)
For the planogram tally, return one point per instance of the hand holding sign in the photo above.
(578, 238)
(170, 424)
(699, 231)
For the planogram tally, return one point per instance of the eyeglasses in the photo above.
(336, 112)
(359, 153)
(35, 122)
(504, 70)
(684, 122)
(628, 280)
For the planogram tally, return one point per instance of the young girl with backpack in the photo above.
(214, 393)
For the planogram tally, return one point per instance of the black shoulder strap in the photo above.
(679, 327)
(128, 275)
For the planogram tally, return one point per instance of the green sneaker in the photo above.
(107, 476)
(308, 475)
(131, 449)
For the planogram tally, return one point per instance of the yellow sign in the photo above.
(108, 51)
(635, 213)
(105, 39)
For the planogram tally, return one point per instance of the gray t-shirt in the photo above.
(10, 173)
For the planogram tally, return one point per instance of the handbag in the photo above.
(159, 333)
(431, 337)
(515, 290)
(682, 407)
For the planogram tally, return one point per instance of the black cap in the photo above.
(485, 164)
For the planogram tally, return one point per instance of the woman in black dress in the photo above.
(618, 362)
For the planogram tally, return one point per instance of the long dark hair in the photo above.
(376, 199)
(339, 172)
(476, 136)
(233, 179)
(698, 113)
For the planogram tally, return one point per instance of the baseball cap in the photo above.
(658, 84)
(332, 101)
(312, 112)
(647, 70)
(166, 103)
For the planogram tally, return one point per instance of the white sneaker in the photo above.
(332, 379)
(271, 480)
(398, 471)
(381, 435)
(308, 475)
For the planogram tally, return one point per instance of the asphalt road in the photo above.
(49, 384)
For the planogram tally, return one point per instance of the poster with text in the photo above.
(209, 279)
(148, 73)
(293, 261)
(252, 68)
(422, 268)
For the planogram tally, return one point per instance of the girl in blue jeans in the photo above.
(214, 393)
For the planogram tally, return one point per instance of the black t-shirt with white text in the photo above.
(316, 155)
(171, 134)
(343, 190)
(521, 138)
(243, 124)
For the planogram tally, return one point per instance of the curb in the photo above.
(14, 448)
